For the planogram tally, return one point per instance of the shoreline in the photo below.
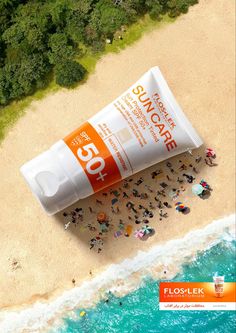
(196, 82)
(151, 263)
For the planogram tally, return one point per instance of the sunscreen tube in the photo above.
(144, 126)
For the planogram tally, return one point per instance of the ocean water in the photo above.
(134, 282)
(138, 311)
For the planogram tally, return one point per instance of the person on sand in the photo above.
(143, 195)
(99, 202)
(183, 167)
(168, 178)
(205, 185)
(153, 174)
(141, 207)
(159, 203)
(149, 188)
(139, 181)
(151, 206)
(189, 178)
(156, 173)
(135, 193)
(115, 210)
(198, 159)
(162, 193)
(130, 206)
(163, 185)
(92, 243)
(91, 210)
(195, 170)
(126, 182)
(180, 181)
(162, 214)
(103, 227)
(166, 204)
(91, 227)
(146, 212)
(121, 225)
(209, 162)
(150, 214)
(66, 226)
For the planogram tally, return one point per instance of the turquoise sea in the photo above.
(138, 311)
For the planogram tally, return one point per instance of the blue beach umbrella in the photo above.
(197, 189)
(113, 201)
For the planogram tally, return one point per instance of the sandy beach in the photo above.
(196, 54)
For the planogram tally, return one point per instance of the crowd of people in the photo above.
(135, 205)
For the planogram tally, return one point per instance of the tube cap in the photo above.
(49, 182)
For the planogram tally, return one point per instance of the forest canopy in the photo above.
(43, 37)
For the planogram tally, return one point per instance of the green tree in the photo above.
(22, 77)
(106, 18)
(38, 35)
(4, 97)
(69, 72)
(177, 7)
(133, 9)
(77, 18)
(155, 9)
(59, 48)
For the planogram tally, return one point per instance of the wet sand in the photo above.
(196, 55)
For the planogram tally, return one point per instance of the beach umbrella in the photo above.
(128, 230)
(113, 201)
(101, 217)
(179, 206)
(146, 229)
(197, 189)
(139, 233)
(117, 234)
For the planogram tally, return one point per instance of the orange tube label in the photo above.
(94, 156)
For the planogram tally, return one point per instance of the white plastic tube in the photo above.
(143, 126)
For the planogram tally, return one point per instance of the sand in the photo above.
(196, 55)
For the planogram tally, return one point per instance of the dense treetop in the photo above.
(38, 37)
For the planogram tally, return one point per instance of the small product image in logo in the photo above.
(219, 285)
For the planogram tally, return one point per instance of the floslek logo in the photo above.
(181, 291)
(218, 295)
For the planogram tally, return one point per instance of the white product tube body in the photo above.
(142, 127)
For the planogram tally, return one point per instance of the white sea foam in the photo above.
(120, 278)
